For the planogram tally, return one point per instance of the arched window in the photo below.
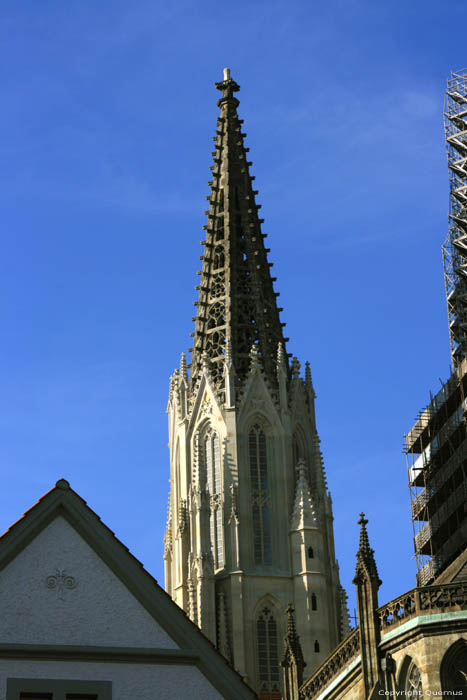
(218, 258)
(268, 656)
(453, 669)
(259, 496)
(413, 681)
(212, 464)
(313, 602)
(316, 646)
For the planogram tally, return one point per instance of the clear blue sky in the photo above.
(108, 110)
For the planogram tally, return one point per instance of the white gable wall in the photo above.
(129, 681)
(98, 611)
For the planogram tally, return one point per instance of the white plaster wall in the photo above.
(100, 610)
(129, 681)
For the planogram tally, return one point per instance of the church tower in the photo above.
(250, 517)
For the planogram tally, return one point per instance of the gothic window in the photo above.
(219, 258)
(413, 681)
(216, 315)
(213, 483)
(453, 669)
(313, 602)
(268, 657)
(260, 496)
(220, 228)
(316, 646)
(217, 286)
(311, 554)
(215, 343)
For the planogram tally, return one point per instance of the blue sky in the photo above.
(108, 110)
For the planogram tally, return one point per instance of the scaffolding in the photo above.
(436, 450)
(455, 245)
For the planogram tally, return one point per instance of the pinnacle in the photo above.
(292, 644)
(365, 555)
(304, 512)
(291, 631)
(364, 542)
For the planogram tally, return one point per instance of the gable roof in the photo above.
(63, 501)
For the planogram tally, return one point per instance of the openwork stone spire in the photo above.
(236, 302)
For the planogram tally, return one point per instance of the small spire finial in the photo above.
(183, 367)
(226, 73)
(290, 620)
(280, 355)
(254, 356)
(295, 368)
(301, 468)
(365, 555)
(364, 542)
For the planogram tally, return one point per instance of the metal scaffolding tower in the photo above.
(436, 446)
(455, 246)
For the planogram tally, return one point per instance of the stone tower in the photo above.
(250, 517)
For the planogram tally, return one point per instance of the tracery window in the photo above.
(413, 682)
(213, 483)
(268, 657)
(219, 258)
(260, 496)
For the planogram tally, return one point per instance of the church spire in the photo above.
(236, 302)
(365, 555)
(367, 583)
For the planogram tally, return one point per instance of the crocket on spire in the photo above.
(236, 301)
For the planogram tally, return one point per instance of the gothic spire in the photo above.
(292, 662)
(236, 302)
(365, 555)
